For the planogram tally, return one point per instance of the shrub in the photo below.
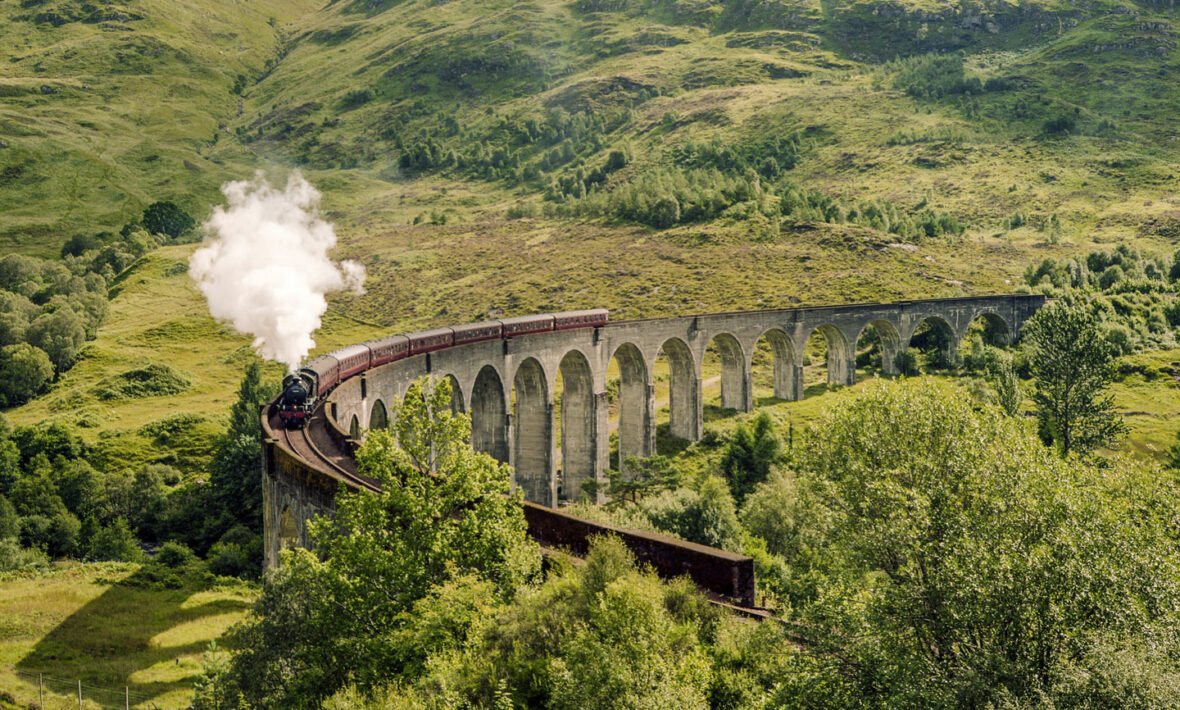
(174, 554)
(114, 543)
(906, 362)
(167, 218)
(1059, 125)
(13, 557)
(151, 380)
(356, 98)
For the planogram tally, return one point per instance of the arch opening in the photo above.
(288, 533)
(877, 347)
(935, 343)
(630, 397)
(489, 415)
(677, 396)
(456, 395)
(775, 372)
(532, 417)
(354, 427)
(576, 424)
(828, 358)
(378, 416)
(725, 357)
(985, 331)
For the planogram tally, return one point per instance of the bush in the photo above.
(356, 98)
(151, 380)
(906, 362)
(13, 557)
(167, 218)
(56, 534)
(114, 543)
(1059, 126)
(174, 555)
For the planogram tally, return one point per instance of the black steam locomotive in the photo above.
(303, 389)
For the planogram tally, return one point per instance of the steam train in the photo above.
(303, 389)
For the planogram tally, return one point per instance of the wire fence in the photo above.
(81, 694)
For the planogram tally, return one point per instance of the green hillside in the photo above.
(652, 158)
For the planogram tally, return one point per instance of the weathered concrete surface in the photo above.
(508, 387)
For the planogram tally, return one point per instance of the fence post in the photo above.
(41, 691)
(79, 694)
(127, 697)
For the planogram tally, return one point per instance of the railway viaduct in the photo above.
(508, 387)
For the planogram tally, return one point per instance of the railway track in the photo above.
(312, 444)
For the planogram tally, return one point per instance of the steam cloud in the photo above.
(264, 266)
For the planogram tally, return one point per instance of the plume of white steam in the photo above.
(264, 265)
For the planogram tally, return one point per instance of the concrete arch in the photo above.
(635, 404)
(997, 326)
(489, 415)
(841, 361)
(579, 419)
(378, 416)
(288, 533)
(684, 390)
(788, 369)
(532, 416)
(945, 336)
(735, 373)
(456, 395)
(890, 340)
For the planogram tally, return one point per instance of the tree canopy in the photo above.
(1072, 366)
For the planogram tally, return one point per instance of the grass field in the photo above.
(109, 626)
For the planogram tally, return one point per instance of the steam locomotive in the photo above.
(302, 390)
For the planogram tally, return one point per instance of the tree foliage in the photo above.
(443, 510)
(752, 451)
(165, 217)
(24, 372)
(968, 567)
(1072, 367)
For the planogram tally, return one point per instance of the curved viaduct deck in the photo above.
(508, 387)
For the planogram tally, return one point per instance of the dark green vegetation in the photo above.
(922, 550)
(65, 498)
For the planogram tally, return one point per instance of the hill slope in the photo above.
(487, 158)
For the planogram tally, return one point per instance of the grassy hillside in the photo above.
(487, 158)
(109, 625)
(106, 107)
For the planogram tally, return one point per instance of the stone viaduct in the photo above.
(508, 386)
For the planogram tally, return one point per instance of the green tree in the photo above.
(906, 362)
(644, 477)
(115, 543)
(235, 487)
(60, 334)
(751, 453)
(1073, 367)
(443, 510)
(167, 218)
(9, 520)
(970, 567)
(24, 372)
(1002, 376)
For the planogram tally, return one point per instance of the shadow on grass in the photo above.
(112, 637)
(668, 445)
